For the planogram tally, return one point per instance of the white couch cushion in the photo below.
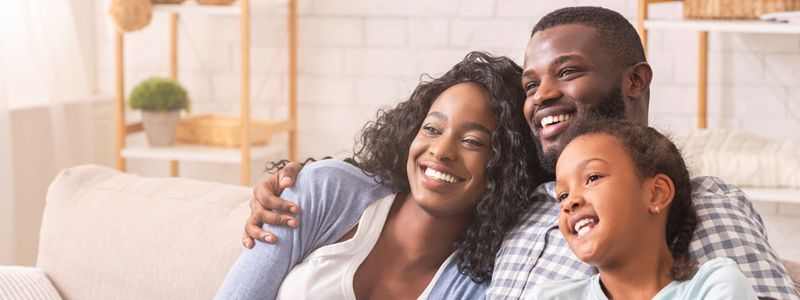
(107, 234)
(25, 283)
(743, 159)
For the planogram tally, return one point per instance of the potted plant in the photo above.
(161, 100)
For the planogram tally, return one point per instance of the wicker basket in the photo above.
(735, 9)
(215, 2)
(168, 1)
(223, 130)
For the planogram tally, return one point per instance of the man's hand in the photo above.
(267, 208)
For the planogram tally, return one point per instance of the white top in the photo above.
(719, 278)
(327, 273)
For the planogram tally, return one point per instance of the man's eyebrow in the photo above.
(559, 60)
(564, 58)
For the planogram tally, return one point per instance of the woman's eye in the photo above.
(430, 129)
(562, 197)
(474, 142)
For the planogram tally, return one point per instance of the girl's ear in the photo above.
(663, 190)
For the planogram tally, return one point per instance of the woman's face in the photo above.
(604, 205)
(448, 157)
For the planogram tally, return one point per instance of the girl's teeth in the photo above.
(583, 231)
(581, 227)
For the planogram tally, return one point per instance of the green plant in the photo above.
(159, 94)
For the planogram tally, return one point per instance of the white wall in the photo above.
(358, 55)
(35, 165)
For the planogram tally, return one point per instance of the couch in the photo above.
(111, 235)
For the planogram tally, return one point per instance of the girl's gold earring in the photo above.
(658, 210)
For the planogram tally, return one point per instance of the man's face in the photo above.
(568, 76)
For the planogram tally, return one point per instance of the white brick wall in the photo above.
(359, 55)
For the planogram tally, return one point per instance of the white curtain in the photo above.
(40, 65)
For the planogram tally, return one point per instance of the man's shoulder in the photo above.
(710, 186)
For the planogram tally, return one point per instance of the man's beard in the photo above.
(610, 106)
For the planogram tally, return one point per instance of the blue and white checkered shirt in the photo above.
(728, 226)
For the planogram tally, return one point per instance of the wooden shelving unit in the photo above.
(703, 28)
(241, 155)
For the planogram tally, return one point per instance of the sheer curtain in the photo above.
(40, 65)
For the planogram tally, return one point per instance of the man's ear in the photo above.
(662, 193)
(637, 81)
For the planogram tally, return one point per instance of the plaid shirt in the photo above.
(536, 252)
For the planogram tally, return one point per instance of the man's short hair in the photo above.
(614, 32)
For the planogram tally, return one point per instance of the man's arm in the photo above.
(267, 208)
(729, 226)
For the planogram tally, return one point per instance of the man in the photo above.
(582, 62)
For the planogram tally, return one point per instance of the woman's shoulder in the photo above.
(335, 177)
(333, 167)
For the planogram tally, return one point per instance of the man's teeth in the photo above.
(550, 120)
(581, 227)
(440, 176)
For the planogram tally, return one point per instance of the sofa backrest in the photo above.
(111, 235)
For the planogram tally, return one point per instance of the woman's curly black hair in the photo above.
(653, 153)
(512, 172)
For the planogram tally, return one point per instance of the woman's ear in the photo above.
(663, 190)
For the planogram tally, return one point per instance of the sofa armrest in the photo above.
(112, 235)
(794, 271)
(25, 283)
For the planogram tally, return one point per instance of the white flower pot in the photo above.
(160, 127)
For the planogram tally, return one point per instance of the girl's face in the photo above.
(448, 157)
(604, 205)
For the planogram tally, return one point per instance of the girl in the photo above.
(626, 208)
(455, 172)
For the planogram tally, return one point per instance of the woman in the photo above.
(454, 170)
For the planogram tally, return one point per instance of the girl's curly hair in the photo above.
(653, 153)
(512, 172)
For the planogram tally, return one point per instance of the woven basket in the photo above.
(224, 131)
(168, 1)
(735, 9)
(215, 2)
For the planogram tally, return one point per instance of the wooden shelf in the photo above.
(200, 153)
(741, 26)
(783, 195)
(703, 27)
(245, 153)
(191, 7)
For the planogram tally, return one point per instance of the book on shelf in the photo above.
(784, 16)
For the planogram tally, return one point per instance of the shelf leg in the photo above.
(641, 16)
(702, 80)
(245, 97)
(293, 79)
(174, 169)
(119, 102)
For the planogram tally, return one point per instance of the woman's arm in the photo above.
(333, 195)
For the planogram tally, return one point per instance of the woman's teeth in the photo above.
(440, 176)
(550, 120)
(582, 227)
